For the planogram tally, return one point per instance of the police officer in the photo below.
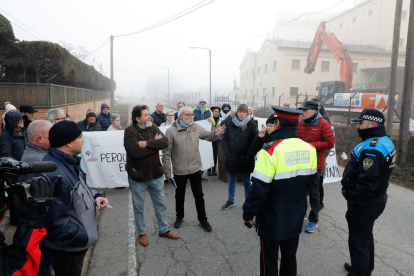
(284, 169)
(365, 183)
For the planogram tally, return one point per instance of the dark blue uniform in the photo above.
(365, 183)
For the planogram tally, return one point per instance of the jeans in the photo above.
(361, 239)
(232, 185)
(314, 200)
(156, 190)
(64, 263)
(269, 257)
(196, 188)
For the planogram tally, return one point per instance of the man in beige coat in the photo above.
(183, 153)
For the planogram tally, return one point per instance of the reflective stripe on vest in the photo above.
(286, 159)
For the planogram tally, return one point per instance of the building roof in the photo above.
(307, 45)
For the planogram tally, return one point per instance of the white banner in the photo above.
(332, 173)
(104, 157)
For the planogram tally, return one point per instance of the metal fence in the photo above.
(46, 95)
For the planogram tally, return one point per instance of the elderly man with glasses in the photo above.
(184, 155)
(55, 115)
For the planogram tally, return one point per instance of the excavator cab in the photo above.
(327, 91)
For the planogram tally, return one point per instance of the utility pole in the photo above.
(253, 100)
(407, 91)
(394, 62)
(112, 73)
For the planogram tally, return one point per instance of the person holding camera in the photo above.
(284, 169)
(71, 219)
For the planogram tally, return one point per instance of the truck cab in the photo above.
(327, 91)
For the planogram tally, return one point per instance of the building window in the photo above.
(325, 66)
(294, 91)
(264, 91)
(274, 65)
(401, 42)
(258, 70)
(355, 67)
(340, 25)
(404, 15)
(273, 92)
(295, 63)
(370, 12)
(354, 19)
(265, 70)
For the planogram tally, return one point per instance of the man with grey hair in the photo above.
(286, 104)
(184, 155)
(38, 143)
(55, 115)
(158, 115)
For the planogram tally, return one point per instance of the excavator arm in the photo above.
(337, 48)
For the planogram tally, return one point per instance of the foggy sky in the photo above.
(222, 25)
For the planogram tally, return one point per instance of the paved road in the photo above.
(231, 249)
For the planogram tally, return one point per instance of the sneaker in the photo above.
(214, 172)
(305, 217)
(178, 222)
(205, 225)
(227, 205)
(348, 267)
(209, 173)
(311, 227)
(321, 206)
(203, 177)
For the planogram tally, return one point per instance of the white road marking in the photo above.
(132, 263)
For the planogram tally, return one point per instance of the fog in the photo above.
(228, 27)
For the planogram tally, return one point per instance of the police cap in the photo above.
(287, 113)
(370, 114)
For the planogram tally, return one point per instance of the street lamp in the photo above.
(209, 51)
(168, 80)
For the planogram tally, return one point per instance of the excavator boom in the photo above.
(338, 49)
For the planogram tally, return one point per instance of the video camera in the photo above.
(37, 191)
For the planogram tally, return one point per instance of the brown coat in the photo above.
(143, 164)
(183, 150)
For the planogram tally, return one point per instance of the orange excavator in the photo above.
(338, 97)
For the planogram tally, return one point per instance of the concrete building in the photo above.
(277, 71)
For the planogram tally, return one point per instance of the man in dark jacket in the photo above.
(317, 131)
(284, 169)
(38, 143)
(104, 118)
(29, 114)
(90, 123)
(365, 183)
(158, 115)
(143, 140)
(179, 106)
(71, 219)
(13, 138)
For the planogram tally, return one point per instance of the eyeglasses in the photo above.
(60, 119)
(189, 115)
(170, 115)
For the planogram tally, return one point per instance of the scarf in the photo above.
(309, 120)
(182, 124)
(242, 123)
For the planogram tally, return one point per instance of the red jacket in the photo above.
(319, 133)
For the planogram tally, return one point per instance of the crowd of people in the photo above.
(291, 158)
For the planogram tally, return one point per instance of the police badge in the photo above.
(367, 163)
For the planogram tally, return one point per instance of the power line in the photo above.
(281, 27)
(170, 19)
(23, 24)
(99, 47)
(26, 31)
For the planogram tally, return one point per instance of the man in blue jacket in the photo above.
(104, 118)
(71, 219)
(13, 138)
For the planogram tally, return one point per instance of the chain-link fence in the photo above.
(45, 95)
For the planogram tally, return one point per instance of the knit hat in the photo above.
(10, 107)
(90, 113)
(63, 133)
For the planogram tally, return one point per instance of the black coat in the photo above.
(158, 119)
(237, 147)
(12, 143)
